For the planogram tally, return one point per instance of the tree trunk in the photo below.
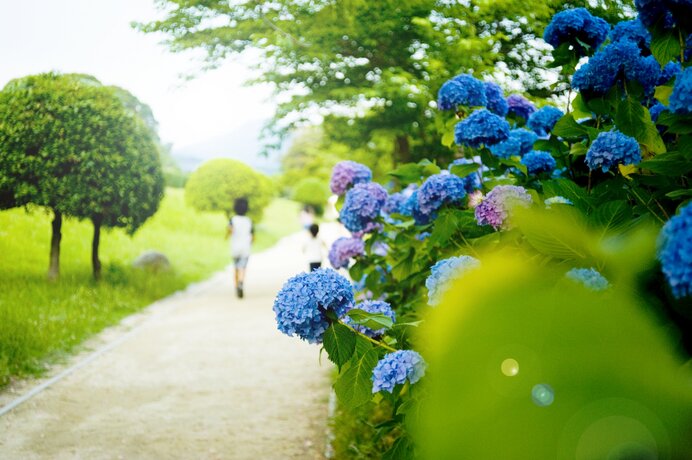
(402, 149)
(56, 236)
(95, 261)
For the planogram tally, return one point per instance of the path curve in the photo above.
(203, 376)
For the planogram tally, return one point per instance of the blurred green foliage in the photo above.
(525, 363)
(313, 192)
(216, 184)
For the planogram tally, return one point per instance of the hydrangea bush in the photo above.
(573, 185)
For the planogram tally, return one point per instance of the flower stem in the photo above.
(634, 192)
(370, 339)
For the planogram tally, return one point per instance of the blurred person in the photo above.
(242, 234)
(307, 217)
(314, 248)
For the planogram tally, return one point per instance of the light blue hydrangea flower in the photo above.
(302, 303)
(497, 103)
(681, 100)
(472, 181)
(344, 249)
(371, 306)
(675, 252)
(574, 26)
(495, 208)
(444, 272)
(633, 31)
(589, 277)
(461, 90)
(549, 202)
(395, 368)
(538, 161)
(346, 174)
(611, 149)
(440, 189)
(520, 106)
(542, 121)
(482, 127)
(362, 206)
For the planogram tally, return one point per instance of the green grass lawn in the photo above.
(41, 322)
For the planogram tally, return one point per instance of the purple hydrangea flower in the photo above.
(675, 252)
(672, 69)
(542, 121)
(601, 72)
(302, 303)
(612, 148)
(346, 174)
(362, 206)
(482, 127)
(371, 306)
(370, 227)
(471, 181)
(444, 272)
(440, 189)
(520, 142)
(681, 100)
(497, 103)
(395, 368)
(520, 106)
(576, 26)
(343, 250)
(496, 207)
(589, 277)
(461, 90)
(633, 31)
(538, 161)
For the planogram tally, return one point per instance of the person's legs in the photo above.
(314, 266)
(240, 265)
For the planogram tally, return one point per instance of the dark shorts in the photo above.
(240, 261)
(315, 265)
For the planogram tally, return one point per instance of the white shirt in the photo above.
(313, 248)
(241, 238)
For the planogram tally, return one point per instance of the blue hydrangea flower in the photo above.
(681, 100)
(461, 90)
(520, 142)
(472, 181)
(612, 148)
(538, 161)
(346, 174)
(395, 368)
(574, 26)
(302, 303)
(520, 106)
(652, 12)
(633, 31)
(440, 189)
(371, 306)
(675, 252)
(542, 121)
(646, 71)
(394, 203)
(496, 101)
(670, 70)
(344, 249)
(362, 206)
(549, 202)
(444, 272)
(422, 236)
(497, 205)
(656, 111)
(589, 277)
(601, 72)
(482, 127)
(411, 208)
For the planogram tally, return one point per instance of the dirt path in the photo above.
(202, 376)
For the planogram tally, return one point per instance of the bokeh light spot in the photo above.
(510, 367)
(542, 394)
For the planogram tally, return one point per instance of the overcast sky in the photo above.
(213, 111)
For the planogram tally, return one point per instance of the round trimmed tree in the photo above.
(312, 192)
(216, 184)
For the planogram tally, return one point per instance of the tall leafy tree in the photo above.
(69, 144)
(372, 66)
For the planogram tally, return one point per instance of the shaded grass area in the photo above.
(41, 322)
